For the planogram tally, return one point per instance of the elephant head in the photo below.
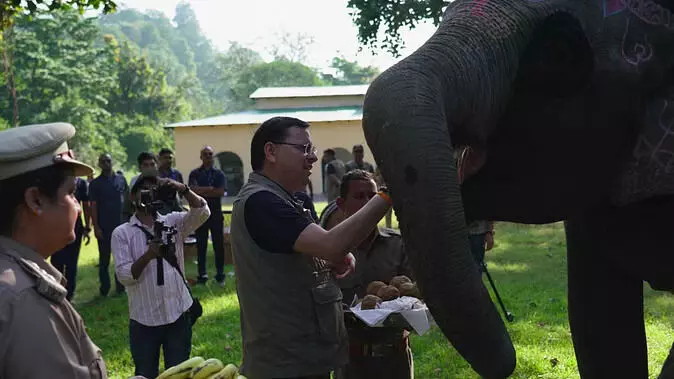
(564, 104)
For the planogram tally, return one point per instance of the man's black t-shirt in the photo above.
(307, 203)
(273, 224)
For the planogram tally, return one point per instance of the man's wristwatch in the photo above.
(384, 193)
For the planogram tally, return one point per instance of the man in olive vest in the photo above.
(286, 265)
(374, 352)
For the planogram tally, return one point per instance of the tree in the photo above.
(142, 89)
(9, 9)
(369, 15)
(228, 68)
(349, 72)
(62, 55)
(273, 74)
(291, 47)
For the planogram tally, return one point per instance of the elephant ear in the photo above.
(558, 61)
(649, 170)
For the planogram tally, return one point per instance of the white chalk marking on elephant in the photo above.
(668, 127)
(651, 12)
(642, 52)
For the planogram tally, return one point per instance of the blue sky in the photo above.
(256, 23)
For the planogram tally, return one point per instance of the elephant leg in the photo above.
(606, 313)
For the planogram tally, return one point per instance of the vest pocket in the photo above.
(97, 369)
(328, 310)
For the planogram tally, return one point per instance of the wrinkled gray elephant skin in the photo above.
(568, 110)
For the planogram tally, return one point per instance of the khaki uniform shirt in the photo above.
(41, 334)
(382, 258)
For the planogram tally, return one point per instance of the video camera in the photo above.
(156, 200)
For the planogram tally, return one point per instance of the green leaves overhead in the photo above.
(370, 15)
(11, 8)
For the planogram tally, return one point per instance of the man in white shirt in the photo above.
(158, 312)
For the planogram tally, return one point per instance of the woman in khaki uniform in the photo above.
(41, 334)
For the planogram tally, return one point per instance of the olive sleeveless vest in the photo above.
(291, 309)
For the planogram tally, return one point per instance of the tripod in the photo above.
(509, 316)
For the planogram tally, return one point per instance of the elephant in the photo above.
(565, 112)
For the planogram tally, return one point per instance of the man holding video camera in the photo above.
(149, 261)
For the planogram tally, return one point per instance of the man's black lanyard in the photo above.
(160, 263)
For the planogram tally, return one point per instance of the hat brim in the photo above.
(81, 169)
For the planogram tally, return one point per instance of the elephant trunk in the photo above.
(452, 88)
(417, 164)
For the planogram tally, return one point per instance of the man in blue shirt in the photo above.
(65, 260)
(107, 194)
(209, 183)
(167, 171)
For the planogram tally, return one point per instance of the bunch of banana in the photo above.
(182, 370)
(198, 368)
(229, 372)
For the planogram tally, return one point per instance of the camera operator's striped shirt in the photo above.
(149, 303)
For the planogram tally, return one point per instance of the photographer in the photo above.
(159, 300)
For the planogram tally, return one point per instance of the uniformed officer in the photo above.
(374, 352)
(41, 334)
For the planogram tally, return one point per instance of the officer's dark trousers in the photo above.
(65, 261)
(104, 253)
(175, 339)
(214, 224)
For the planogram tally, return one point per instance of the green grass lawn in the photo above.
(528, 265)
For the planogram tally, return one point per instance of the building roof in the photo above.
(258, 116)
(280, 92)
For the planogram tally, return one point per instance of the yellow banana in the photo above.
(182, 370)
(229, 372)
(207, 368)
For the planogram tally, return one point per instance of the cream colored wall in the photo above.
(236, 138)
(309, 102)
(190, 140)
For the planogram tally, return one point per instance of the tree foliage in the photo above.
(10, 8)
(118, 78)
(370, 15)
(349, 72)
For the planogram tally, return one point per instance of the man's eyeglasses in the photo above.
(307, 149)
